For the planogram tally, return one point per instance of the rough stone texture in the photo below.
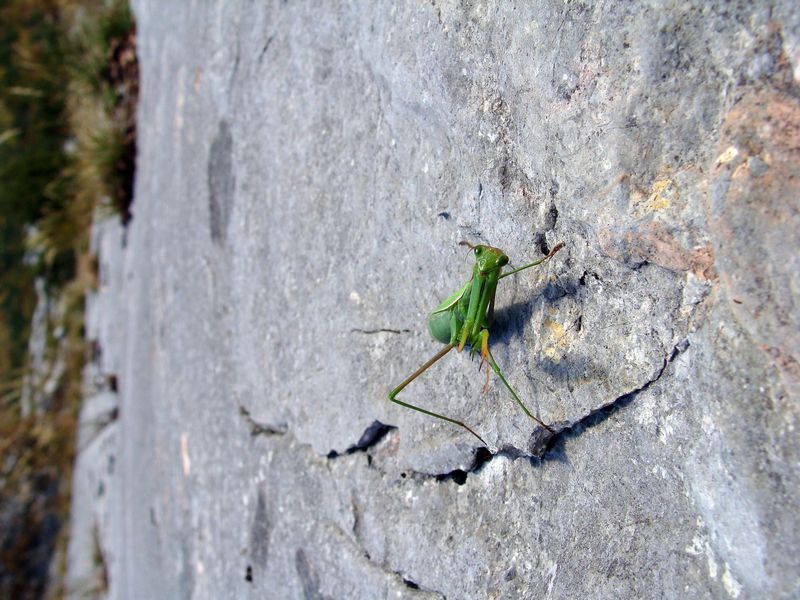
(306, 171)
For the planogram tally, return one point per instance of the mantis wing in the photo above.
(453, 298)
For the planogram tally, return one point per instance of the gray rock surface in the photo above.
(305, 174)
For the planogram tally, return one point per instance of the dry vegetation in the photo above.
(67, 149)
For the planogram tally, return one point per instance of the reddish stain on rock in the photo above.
(754, 221)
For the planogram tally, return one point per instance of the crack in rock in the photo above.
(459, 476)
(257, 428)
(358, 548)
(413, 585)
(372, 436)
(379, 330)
(542, 442)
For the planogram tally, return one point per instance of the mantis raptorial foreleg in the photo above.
(555, 249)
(417, 373)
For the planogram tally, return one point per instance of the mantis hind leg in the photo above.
(499, 373)
(412, 377)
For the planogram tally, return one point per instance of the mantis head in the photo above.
(488, 258)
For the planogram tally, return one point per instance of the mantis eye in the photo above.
(478, 250)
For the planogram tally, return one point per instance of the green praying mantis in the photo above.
(464, 318)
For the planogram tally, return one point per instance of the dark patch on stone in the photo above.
(372, 435)
(541, 241)
(257, 428)
(186, 575)
(539, 441)
(265, 47)
(308, 578)
(221, 182)
(457, 475)
(410, 584)
(482, 456)
(552, 218)
(260, 532)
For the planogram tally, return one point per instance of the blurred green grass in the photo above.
(68, 90)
